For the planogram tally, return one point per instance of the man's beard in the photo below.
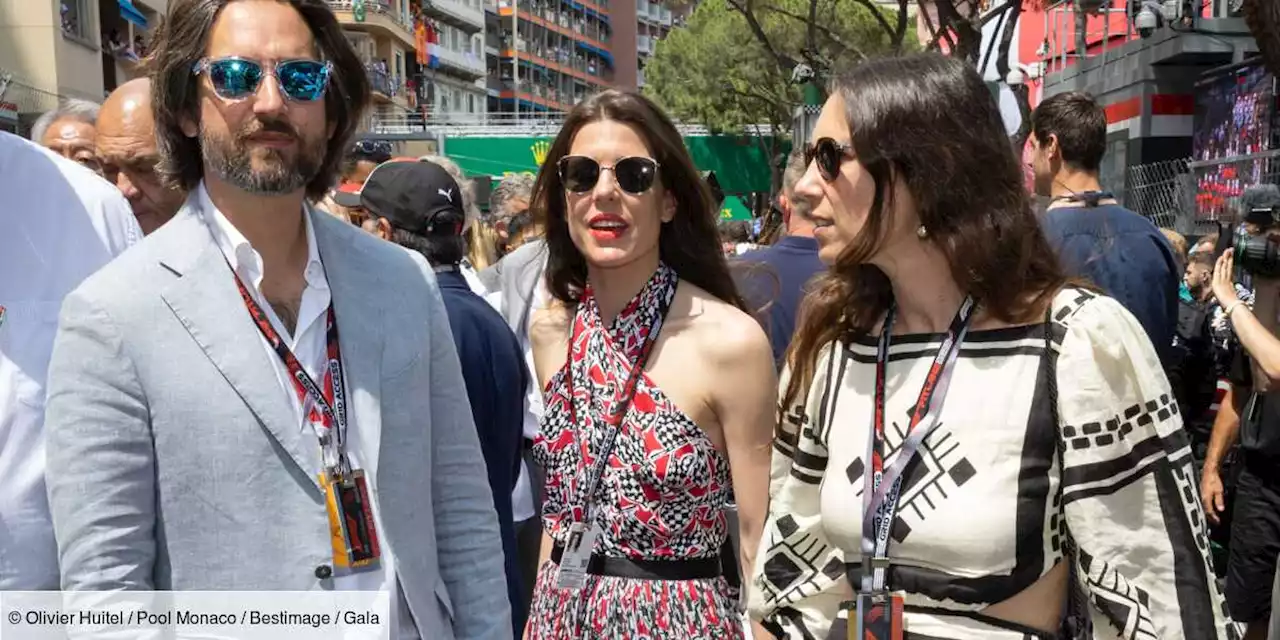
(231, 159)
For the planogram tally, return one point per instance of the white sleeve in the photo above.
(1129, 493)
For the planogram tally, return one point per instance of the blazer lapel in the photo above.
(205, 299)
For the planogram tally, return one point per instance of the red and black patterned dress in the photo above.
(662, 496)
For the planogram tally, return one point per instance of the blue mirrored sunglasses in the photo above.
(235, 78)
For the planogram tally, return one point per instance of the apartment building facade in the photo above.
(548, 55)
(654, 20)
(54, 49)
(424, 59)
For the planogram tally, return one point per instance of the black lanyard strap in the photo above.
(614, 419)
(882, 487)
(333, 404)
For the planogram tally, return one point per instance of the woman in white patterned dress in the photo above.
(1043, 481)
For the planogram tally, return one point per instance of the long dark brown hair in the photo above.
(181, 41)
(689, 243)
(928, 121)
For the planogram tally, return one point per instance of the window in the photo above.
(471, 103)
(399, 70)
(76, 18)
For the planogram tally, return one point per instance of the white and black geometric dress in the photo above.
(987, 503)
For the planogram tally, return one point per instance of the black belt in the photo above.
(686, 569)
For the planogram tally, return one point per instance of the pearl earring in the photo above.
(922, 232)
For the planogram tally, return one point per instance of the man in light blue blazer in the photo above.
(218, 389)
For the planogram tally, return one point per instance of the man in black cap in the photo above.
(418, 206)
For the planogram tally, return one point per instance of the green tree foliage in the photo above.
(730, 65)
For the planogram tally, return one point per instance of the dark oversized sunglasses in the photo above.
(235, 78)
(634, 174)
(829, 154)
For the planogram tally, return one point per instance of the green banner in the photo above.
(734, 209)
(741, 164)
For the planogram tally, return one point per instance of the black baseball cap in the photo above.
(419, 197)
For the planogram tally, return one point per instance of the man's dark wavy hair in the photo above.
(181, 41)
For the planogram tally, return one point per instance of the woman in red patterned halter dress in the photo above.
(659, 389)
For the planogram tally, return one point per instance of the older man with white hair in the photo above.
(69, 130)
(510, 202)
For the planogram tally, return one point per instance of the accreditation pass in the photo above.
(577, 556)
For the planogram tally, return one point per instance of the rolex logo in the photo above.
(540, 150)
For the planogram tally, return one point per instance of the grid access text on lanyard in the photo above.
(619, 409)
(882, 487)
(331, 400)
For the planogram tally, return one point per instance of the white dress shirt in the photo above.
(59, 222)
(522, 506)
(308, 344)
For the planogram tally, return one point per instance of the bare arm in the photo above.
(744, 399)
(1255, 328)
(549, 339)
(1226, 430)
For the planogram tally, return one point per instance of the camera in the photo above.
(1257, 255)
(1146, 17)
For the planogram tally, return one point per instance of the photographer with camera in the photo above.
(1254, 257)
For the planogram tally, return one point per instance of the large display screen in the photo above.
(1235, 118)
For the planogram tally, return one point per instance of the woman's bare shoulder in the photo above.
(727, 333)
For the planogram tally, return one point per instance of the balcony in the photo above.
(385, 87)
(495, 85)
(379, 15)
(665, 17)
(651, 14)
(466, 65)
(644, 44)
(458, 14)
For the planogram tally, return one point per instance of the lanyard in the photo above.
(619, 409)
(1090, 199)
(881, 487)
(331, 400)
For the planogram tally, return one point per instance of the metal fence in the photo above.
(1161, 191)
(22, 102)
(1188, 196)
(499, 124)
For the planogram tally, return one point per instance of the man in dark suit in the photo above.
(777, 275)
(418, 205)
(518, 280)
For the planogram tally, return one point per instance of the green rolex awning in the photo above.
(734, 209)
(740, 164)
